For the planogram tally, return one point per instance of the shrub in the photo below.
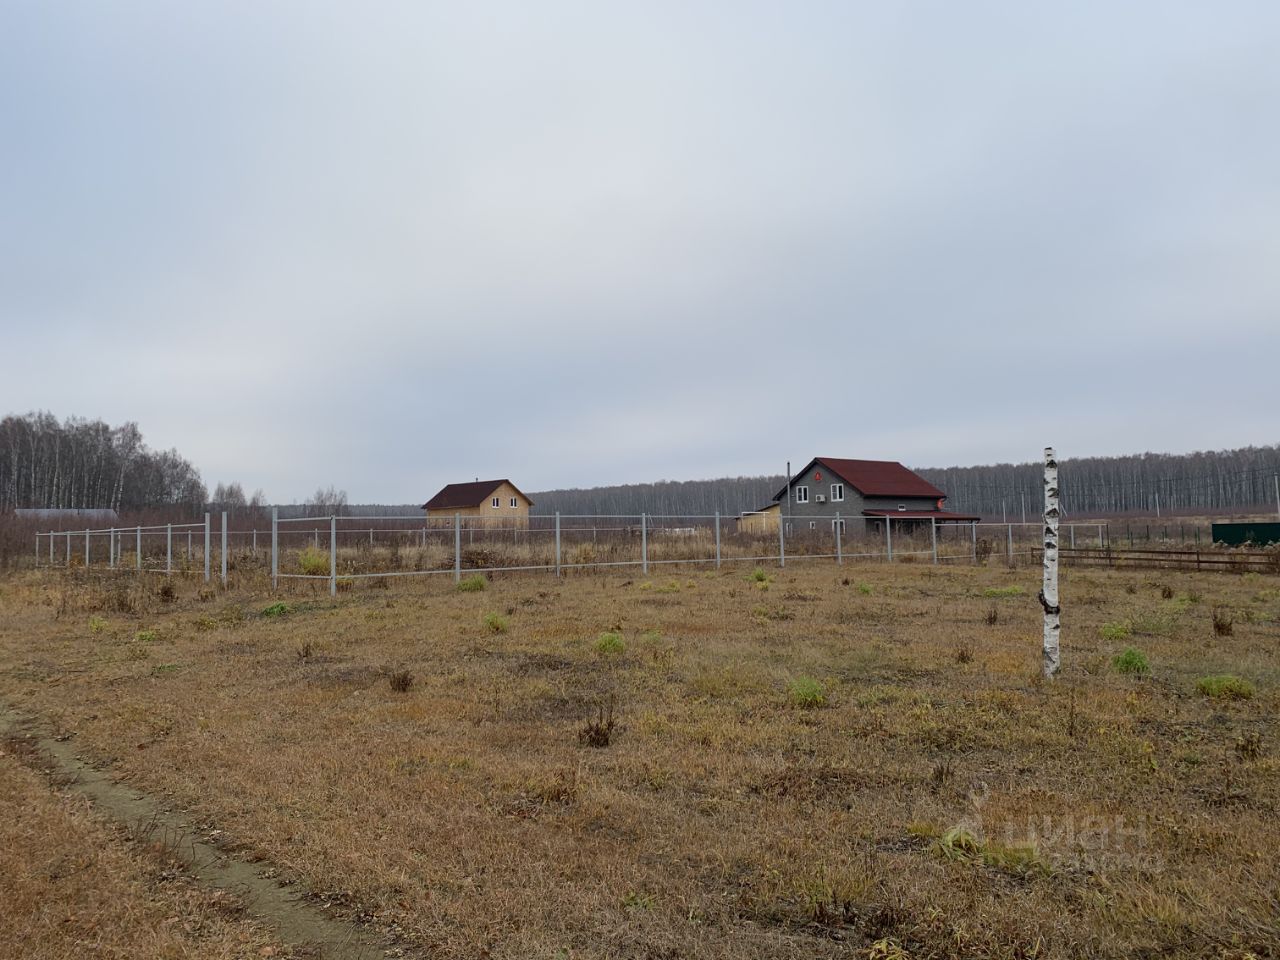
(758, 576)
(1223, 622)
(97, 624)
(864, 589)
(401, 681)
(806, 693)
(496, 622)
(964, 652)
(1116, 631)
(1131, 661)
(1225, 687)
(277, 610)
(993, 616)
(610, 643)
(314, 563)
(598, 732)
(473, 584)
(167, 592)
(145, 636)
(1166, 592)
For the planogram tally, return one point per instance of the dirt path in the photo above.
(296, 922)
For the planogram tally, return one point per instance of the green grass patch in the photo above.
(97, 624)
(610, 644)
(279, 609)
(1132, 660)
(1225, 687)
(496, 622)
(758, 576)
(472, 584)
(864, 589)
(1115, 632)
(806, 693)
(995, 592)
(145, 636)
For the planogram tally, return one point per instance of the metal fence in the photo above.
(349, 549)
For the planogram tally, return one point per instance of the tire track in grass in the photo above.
(295, 921)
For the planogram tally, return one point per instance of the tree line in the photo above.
(1215, 482)
(88, 464)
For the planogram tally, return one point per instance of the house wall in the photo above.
(504, 513)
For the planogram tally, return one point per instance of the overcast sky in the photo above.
(386, 246)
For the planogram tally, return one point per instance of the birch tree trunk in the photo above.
(1049, 592)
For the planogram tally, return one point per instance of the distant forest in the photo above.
(78, 463)
(1208, 482)
(82, 464)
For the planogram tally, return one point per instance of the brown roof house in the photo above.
(872, 489)
(486, 500)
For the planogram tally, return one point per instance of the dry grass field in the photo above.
(824, 762)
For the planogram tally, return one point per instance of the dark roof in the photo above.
(455, 496)
(942, 515)
(873, 478)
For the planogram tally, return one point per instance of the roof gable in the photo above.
(456, 496)
(872, 478)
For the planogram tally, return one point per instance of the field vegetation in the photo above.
(816, 762)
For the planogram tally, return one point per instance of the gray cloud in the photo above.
(392, 245)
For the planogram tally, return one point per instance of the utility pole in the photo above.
(1024, 507)
(1157, 504)
(1277, 479)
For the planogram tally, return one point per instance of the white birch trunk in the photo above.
(1049, 592)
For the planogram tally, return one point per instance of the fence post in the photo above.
(86, 549)
(223, 551)
(717, 539)
(782, 539)
(933, 529)
(973, 531)
(333, 555)
(1010, 545)
(68, 548)
(111, 548)
(644, 544)
(557, 543)
(275, 542)
(168, 548)
(839, 544)
(37, 549)
(888, 537)
(457, 547)
(137, 548)
(51, 548)
(1072, 529)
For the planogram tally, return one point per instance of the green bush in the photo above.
(864, 589)
(97, 624)
(759, 576)
(472, 584)
(145, 636)
(1225, 687)
(496, 622)
(1131, 661)
(609, 644)
(277, 610)
(806, 693)
(314, 563)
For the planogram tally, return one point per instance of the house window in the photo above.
(497, 501)
(837, 492)
(902, 508)
(813, 524)
(513, 502)
(838, 526)
(802, 494)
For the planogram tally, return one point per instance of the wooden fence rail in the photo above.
(1224, 561)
